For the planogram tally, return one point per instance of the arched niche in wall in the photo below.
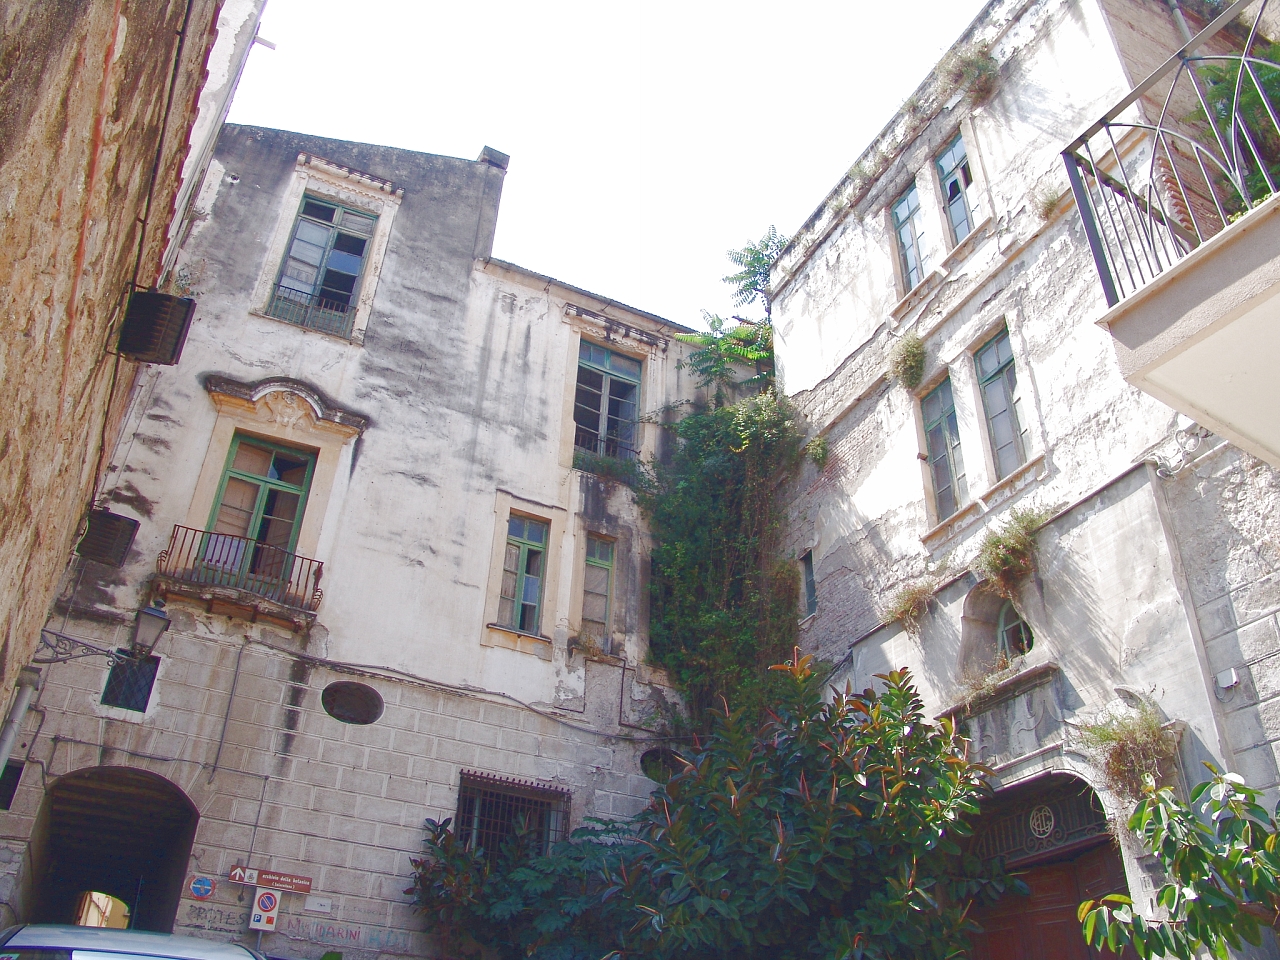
(992, 633)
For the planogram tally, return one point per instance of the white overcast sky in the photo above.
(646, 139)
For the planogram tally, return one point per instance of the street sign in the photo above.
(270, 879)
(266, 905)
(202, 887)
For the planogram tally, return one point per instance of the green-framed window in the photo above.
(523, 571)
(1013, 635)
(908, 226)
(606, 402)
(956, 178)
(810, 584)
(999, 383)
(320, 276)
(596, 590)
(259, 508)
(942, 439)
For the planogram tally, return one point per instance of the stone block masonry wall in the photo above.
(83, 90)
(1223, 510)
(297, 791)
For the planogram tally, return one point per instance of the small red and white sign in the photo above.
(266, 906)
(271, 879)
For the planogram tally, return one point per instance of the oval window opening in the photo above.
(659, 765)
(351, 702)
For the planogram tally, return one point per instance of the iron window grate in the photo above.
(490, 809)
(130, 682)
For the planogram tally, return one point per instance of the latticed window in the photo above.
(130, 682)
(492, 810)
(908, 224)
(595, 591)
(955, 177)
(1013, 635)
(606, 402)
(320, 276)
(1000, 399)
(523, 563)
(942, 437)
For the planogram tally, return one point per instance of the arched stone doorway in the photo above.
(113, 830)
(1053, 832)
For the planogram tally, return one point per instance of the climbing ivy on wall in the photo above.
(724, 600)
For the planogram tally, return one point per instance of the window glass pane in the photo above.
(344, 263)
(289, 469)
(239, 497)
(597, 578)
(357, 224)
(320, 211)
(535, 532)
(810, 585)
(598, 549)
(313, 235)
(624, 366)
(250, 458)
(515, 528)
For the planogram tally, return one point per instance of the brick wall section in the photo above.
(343, 804)
(82, 98)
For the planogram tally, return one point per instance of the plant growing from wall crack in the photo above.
(909, 603)
(906, 361)
(1131, 748)
(1007, 555)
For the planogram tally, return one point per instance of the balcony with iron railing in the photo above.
(315, 312)
(237, 574)
(1176, 186)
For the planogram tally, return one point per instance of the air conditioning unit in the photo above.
(155, 327)
(107, 538)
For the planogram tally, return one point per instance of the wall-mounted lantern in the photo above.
(148, 628)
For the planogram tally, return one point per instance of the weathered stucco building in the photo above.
(393, 595)
(106, 115)
(954, 237)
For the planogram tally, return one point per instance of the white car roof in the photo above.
(139, 942)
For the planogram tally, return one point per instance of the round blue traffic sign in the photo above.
(202, 887)
(266, 901)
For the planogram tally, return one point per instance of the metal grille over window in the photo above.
(321, 273)
(493, 811)
(522, 573)
(942, 437)
(955, 177)
(1000, 400)
(595, 592)
(606, 402)
(130, 682)
(908, 224)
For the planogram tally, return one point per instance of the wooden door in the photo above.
(1043, 925)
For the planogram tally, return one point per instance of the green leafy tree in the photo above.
(722, 353)
(755, 260)
(828, 829)
(724, 600)
(1224, 875)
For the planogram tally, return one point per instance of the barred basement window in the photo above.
(493, 811)
(130, 682)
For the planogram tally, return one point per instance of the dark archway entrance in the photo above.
(1053, 832)
(113, 830)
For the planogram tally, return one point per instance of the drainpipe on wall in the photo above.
(28, 684)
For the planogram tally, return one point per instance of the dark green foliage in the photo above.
(754, 261)
(629, 471)
(1223, 871)
(722, 353)
(1236, 95)
(826, 830)
(724, 603)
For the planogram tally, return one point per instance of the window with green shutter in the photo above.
(523, 570)
(596, 584)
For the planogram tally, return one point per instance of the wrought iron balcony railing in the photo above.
(1185, 153)
(313, 312)
(603, 446)
(207, 559)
